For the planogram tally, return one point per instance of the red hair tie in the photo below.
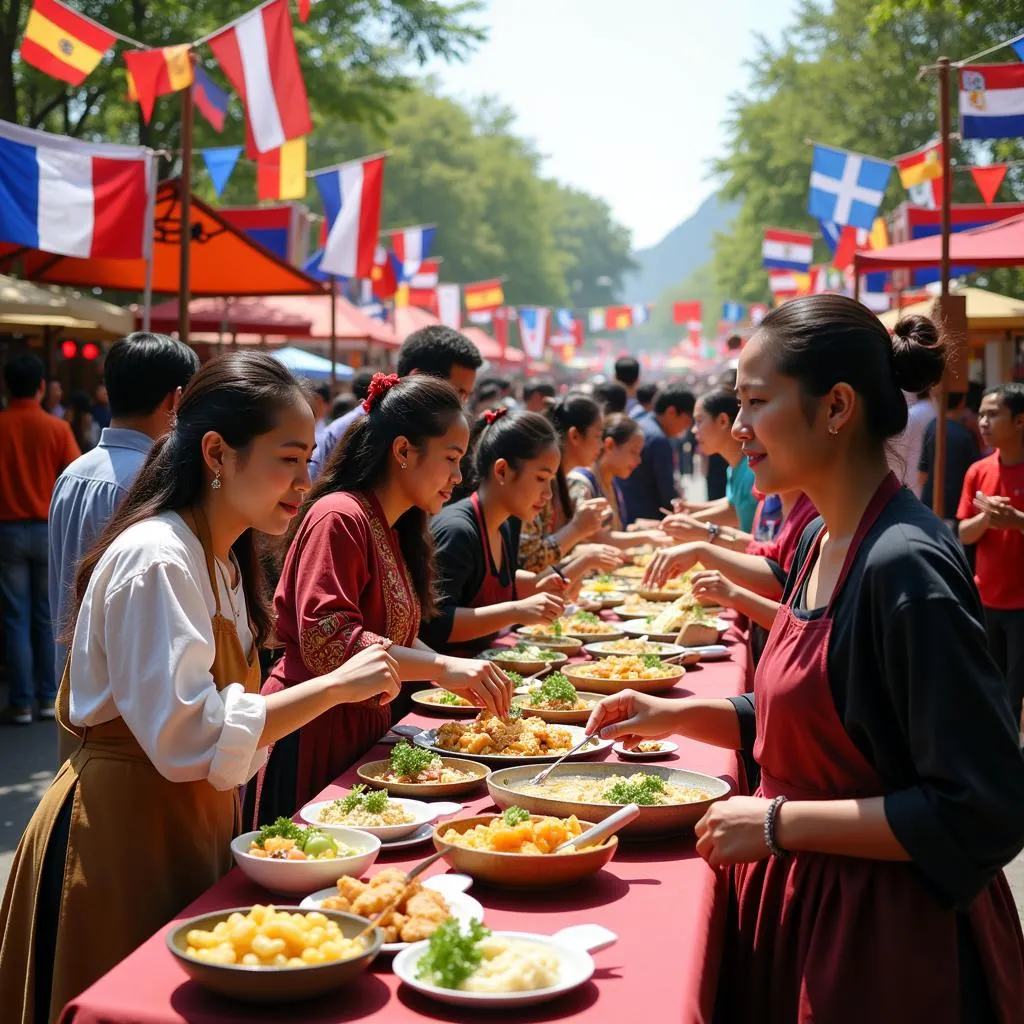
(381, 384)
(493, 415)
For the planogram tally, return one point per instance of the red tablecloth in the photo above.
(666, 905)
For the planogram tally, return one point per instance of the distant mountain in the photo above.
(686, 247)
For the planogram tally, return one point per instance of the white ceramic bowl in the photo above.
(300, 877)
(573, 947)
(423, 813)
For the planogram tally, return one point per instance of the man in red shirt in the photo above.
(34, 449)
(991, 515)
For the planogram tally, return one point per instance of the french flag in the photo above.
(992, 101)
(74, 198)
(412, 246)
(351, 194)
(786, 250)
(428, 275)
(258, 55)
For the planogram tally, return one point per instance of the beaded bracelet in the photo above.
(769, 828)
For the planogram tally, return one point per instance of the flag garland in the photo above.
(153, 73)
(62, 43)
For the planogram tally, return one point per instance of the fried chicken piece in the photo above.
(376, 898)
(426, 912)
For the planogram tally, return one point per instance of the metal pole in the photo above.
(334, 332)
(185, 181)
(856, 280)
(939, 470)
(147, 297)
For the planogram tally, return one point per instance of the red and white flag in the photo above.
(351, 194)
(258, 55)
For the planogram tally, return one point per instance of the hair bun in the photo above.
(918, 354)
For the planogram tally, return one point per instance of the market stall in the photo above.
(664, 903)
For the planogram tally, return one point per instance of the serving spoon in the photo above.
(599, 832)
(542, 775)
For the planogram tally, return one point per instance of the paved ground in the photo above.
(27, 755)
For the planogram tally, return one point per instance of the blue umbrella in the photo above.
(306, 364)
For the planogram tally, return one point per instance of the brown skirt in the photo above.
(140, 849)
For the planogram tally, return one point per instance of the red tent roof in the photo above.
(412, 318)
(489, 347)
(288, 316)
(994, 245)
(224, 260)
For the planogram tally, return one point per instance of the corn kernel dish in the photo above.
(531, 837)
(624, 668)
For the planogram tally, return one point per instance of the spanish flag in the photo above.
(153, 73)
(281, 173)
(62, 43)
(484, 296)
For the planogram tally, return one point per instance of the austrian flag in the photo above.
(74, 198)
(258, 55)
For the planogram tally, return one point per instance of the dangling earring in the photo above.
(215, 483)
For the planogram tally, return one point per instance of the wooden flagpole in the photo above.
(939, 470)
(185, 198)
(334, 332)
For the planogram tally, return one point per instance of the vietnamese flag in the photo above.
(153, 73)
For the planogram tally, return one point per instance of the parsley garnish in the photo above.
(644, 791)
(410, 760)
(516, 816)
(555, 688)
(652, 661)
(452, 955)
(283, 828)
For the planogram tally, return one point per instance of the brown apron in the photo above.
(149, 846)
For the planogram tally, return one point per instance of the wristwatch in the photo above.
(713, 531)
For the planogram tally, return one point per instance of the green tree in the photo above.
(845, 73)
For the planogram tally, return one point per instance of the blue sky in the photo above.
(624, 97)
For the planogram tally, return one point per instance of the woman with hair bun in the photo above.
(161, 690)
(866, 869)
(513, 461)
(360, 571)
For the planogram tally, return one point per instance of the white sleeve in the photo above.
(160, 649)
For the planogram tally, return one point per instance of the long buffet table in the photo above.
(666, 905)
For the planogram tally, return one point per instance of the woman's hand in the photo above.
(732, 831)
(539, 610)
(670, 562)
(631, 717)
(367, 673)
(551, 584)
(683, 527)
(480, 682)
(600, 557)
(710, 587)
(589, 516)
(659, 538)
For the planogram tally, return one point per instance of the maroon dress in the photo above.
(844, 940)
(344, 586)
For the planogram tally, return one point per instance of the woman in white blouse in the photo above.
(161, 692)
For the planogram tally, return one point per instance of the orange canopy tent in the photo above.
(224, 260)
(994, 245)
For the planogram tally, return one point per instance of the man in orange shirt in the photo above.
(34, 449)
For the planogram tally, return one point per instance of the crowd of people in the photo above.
(229, 597)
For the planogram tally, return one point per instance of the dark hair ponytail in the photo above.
(238, 396)
(620, 428)
(572, 410)
(516, 437)
(417, 408)
(823, 340)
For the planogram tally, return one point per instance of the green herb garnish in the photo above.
(447, 697)
(452, 955)
(514, 678)
(354, 799)
(516, 816)
(556, 628)
(283, 828)
(514, 712)
(409, 760)
(376, 802)
(644, 791)
(652, 661)
(555, 688)
(586, 617)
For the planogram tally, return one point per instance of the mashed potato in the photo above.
(513, 965)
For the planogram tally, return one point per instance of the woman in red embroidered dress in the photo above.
(359, 571)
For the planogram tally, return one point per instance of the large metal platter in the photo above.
(428, 738)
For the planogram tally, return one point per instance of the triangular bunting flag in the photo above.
(1018, 48)
(988, 179)
(304, 10)
(219, 165)
(153, 73)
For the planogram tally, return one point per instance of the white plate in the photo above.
(423, 813)
(427, 738)
(421, 835)
(642, 627)
(452, 887)
(713, 652)
(668, 748)
(668, 650)
(572, 945)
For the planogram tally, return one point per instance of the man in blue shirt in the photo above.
(435, 350)
(652, 485)
(144, 375)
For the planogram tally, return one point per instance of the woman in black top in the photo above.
(513, 461)
(866, 869)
